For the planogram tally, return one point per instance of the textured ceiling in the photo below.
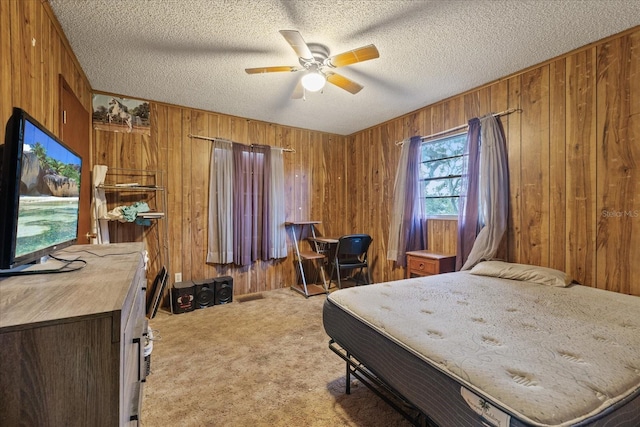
(193, 52)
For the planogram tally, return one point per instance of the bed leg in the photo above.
(348, 377)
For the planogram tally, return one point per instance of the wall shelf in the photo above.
(123, 188)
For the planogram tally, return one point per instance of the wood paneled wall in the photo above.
(314, 188)
(442, 235)
(33, 54)
(573, 158)
(574, 155)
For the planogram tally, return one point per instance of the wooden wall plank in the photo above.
(618, 153)
(498, 100)
(316, 178)
(442, 235)
(380, 215)
(199, 187)
(30, 58)
(340, 189)
(104, 148)
(7, 57)
(327, 211)
(534, 167)
(18, 44)
(353, 160)
(454, 112)
(411, 125)
(486, 107)
(581, 166)
(187, 196)
(38, 48)
(634, 174)
(391, 134)
(300, 142)
(472, 105)
(376, 193)
(154, 233)
(514, 148)
(557, 165)
(174, 177)
(285, 138)
(49, 74)
(426, 125)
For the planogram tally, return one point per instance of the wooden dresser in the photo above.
(72, 344)
(425, 263)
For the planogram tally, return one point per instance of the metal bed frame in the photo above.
(387, 393)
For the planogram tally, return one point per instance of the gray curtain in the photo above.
(468, 204)
(220, 243)
(397, 209)
(493, 192)
(407, 231)
(277, 216)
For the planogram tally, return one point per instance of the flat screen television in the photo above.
(39, 192)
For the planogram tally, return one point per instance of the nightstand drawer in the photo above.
(425, 263)
(422, 265)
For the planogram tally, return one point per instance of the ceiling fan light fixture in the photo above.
(314, 60)
(313, 81)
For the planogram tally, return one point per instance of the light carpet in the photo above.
(264, 361)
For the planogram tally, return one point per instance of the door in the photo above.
(75, 132)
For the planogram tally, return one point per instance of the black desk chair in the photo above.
(351, 253)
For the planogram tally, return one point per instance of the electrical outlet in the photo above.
(178, 277)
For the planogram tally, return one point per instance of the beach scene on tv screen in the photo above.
(49, 193)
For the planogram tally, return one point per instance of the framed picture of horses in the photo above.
(120, 114)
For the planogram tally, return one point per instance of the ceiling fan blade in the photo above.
(298, 92)
(271, 69)
(298, 44)
(364, 53)
(343, 82)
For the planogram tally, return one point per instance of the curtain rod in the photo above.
(207, 138)
(501, 113)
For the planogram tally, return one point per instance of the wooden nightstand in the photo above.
(425, 263)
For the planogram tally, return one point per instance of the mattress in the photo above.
(471, 350)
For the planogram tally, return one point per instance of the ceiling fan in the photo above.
(315, 61)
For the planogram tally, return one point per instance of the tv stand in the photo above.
(71, 345)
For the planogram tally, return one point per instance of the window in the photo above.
(440, 174)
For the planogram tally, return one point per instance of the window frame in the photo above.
(423, 179)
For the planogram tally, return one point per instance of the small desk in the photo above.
(327, 247)
(315, 256)
(325, 240)
(425, 263)
(324, 245)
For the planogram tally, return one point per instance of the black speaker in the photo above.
(223, 289)
(183, 297)
(204, 293)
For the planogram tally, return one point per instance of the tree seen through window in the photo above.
(440, 174)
